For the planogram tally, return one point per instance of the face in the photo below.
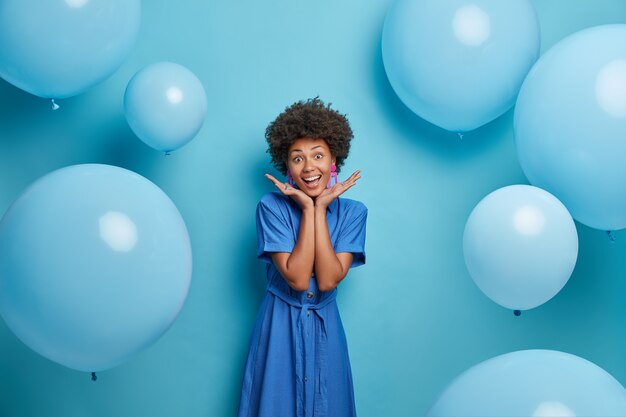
(309, 162)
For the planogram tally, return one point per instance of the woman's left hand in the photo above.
(329, 194)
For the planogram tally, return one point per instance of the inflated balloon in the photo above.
(459, 64)
(534, 383)
(520, 246)
(165, 105)
(58, 49)
(570, 124)
(95, 265)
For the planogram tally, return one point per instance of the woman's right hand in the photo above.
(303, 200)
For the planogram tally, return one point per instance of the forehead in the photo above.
(306, 144)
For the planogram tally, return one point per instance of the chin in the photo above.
(313, 193)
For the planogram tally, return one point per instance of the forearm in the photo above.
(299, 265)
(328, 269)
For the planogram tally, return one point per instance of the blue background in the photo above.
(414, 318)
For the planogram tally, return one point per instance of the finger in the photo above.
(271, 178)
(285, 187)
(342, 187)
(282, 187)
(350, 181)
(355, 173)
(342, 190)
(353, 177)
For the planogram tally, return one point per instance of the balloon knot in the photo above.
(611, 236)
(517, 313)
(93, 376)
(460, 135)
(54, 105)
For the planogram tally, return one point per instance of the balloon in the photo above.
(95, 265)
(520, 246)
(165, 105)
(570, 124)
(534, 383)
(60, 48)
(459, 64)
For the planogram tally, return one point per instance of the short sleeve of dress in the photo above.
(274, 232)
(352, 235)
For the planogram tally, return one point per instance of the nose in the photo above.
(308, 165)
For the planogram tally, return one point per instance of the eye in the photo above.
(297, 159)
(319, 156)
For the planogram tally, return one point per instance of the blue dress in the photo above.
(298, 364)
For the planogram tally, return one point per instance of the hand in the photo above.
(287, 189)
(329, 194)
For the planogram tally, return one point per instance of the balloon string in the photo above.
(93, 376)
(611, 236)
(460, 135)
(54, 105)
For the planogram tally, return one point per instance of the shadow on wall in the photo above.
(16, 105)
(259, 186)
(122, 148)
(18, 110)
(251, 283)
(76, 133)
(437, 141)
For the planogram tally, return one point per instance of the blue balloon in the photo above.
(534, 383)
(165, 105)
(459, 64)
(520, 246)
(570, 125)
(95, 265)
(60, 48)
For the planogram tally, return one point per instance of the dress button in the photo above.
(306, 379)
(309, 294)
(308, 313)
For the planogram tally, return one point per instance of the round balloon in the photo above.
(520, 246)
(95, 265)
(459, 64)
(58, 49)
(165, 105)
(537, 383)
(570, 122)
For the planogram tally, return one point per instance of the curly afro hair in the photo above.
(308, 119)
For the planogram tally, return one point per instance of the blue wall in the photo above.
(413, 317)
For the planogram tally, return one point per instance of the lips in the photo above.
(312, 181)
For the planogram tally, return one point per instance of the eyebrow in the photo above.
(300, 150)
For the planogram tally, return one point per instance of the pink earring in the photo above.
(333, 175)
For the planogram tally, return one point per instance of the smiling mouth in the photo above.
(312, 182)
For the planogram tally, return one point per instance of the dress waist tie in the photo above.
(320, 407)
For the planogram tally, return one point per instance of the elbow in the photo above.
(298, 284)
(327, 286)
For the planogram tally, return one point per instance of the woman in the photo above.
(298, 364)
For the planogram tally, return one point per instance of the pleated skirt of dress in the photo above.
(298, 363)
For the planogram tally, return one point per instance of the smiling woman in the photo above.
(298, 362)
(310, 163)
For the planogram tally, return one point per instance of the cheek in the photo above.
(295, 170)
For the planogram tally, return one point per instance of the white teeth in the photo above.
(312, 178)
